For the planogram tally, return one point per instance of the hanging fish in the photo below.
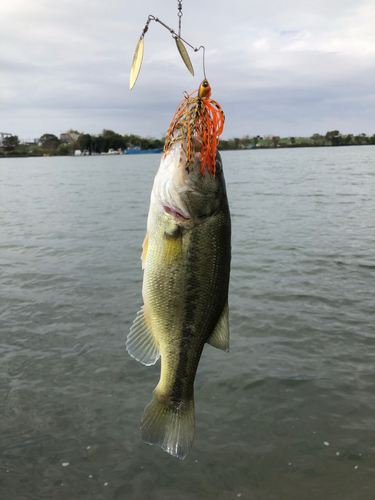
(186, 261)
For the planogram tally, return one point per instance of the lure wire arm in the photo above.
(204, 56)
(138, 54)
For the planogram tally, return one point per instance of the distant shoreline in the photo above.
(281, 146)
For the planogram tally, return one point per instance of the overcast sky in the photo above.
(277, 67)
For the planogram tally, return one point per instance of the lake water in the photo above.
(288, 414)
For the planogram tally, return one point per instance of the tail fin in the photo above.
(170, 425)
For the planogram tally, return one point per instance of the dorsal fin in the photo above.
(220, 336)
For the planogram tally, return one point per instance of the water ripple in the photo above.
(290, 409)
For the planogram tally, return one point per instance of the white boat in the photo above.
(113, 152)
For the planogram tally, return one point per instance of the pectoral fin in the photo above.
(220, 336)
(144, 251)
(141, 343)
(172, 244)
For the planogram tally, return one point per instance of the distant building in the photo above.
(34, 142)
(69, 137)
(2, 137)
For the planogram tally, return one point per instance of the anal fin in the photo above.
(220, 336)
(141, 343)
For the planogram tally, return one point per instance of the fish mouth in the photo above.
(176, 215)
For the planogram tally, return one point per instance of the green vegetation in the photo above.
(333, 138)
(49, 142)
(10, 142)
(108, 139)
(50, 145)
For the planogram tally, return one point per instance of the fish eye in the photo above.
(205, 84)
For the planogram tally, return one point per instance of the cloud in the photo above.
(287, 68)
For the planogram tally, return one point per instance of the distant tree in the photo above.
(111, 140)
(245, 141)
(223, 145)
(64, 149)
(148, 142)
(84, 142)
(132, 140)
(292, 140)
(361, 139)
(151, 143)
(227, 144)
(255, 140)
(334, 137)
(275, 140)
(364, 138)
(347, 139)
(47, 137)
(49, 142)
(318, 140)
(98, 144)
(10, 142)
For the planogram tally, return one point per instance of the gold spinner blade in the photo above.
(137, 62)
(184, 55)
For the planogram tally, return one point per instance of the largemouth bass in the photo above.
(186, 261)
